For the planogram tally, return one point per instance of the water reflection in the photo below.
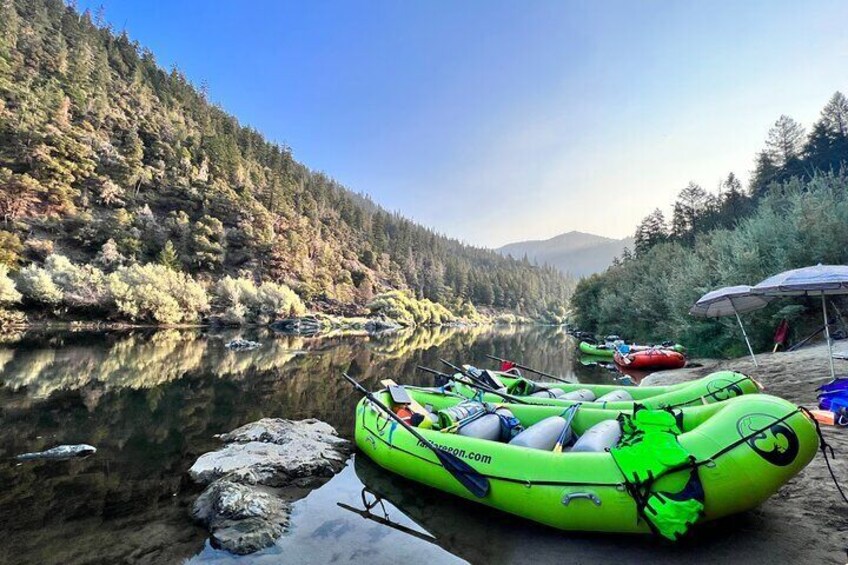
(151, 402)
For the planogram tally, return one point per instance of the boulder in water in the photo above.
(60, 453)
(245, 505)
(242, 519)
(306, 325)
(240, 344)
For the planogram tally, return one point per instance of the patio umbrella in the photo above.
(820, 280)
(731, 300)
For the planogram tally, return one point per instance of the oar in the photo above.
(572, 411)
(478, 384)
(477, 484)
(532, 370)
(473, 384)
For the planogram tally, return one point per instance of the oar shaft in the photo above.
(432, 371)
(387, 410)
(477, 484)
(531, 369)
(478, 384)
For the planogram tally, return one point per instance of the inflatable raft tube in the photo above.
(746, 449)
(650, 359)
(605, 351)
(542, 435)
(714, 387)
(600, 350)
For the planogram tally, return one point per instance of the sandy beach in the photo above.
(809, 505)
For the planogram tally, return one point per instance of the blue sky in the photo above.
(496, 121)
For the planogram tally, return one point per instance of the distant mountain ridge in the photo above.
(576, 253)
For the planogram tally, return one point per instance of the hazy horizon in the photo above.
(494, 122)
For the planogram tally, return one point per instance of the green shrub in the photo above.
(10, 249)
(81, 286)
(8, 293)
(155, 293)
(239, 301)
(36, 285)
(409, 311)
(61, 282)
(274, 300)
(232, 298)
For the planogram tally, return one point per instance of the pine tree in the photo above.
(692, 202)
(834, 116)
(168, 257)
(765, 173)
(651, 231)
(785, 141)
(827, 146)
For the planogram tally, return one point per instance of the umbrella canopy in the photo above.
(729, 301)
(819, 280)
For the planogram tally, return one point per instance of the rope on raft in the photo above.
(825, 447)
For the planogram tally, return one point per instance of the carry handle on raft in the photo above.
(477, 484)
(530, 369)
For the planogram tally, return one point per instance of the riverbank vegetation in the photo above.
(119, 165)
(794, 214)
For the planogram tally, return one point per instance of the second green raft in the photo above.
(714, 387)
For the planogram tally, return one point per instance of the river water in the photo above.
(151, 402)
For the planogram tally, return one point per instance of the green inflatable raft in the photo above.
(599, 350)
(607, 351)
(669, 469)
(715, 387)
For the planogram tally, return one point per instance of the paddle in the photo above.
(572, 411)
(473, 384)
(532, 370)
(477, 484)
(482, 386)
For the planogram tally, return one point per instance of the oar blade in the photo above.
(477, 484)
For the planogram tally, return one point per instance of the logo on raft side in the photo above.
(777, 443)
(722, 389)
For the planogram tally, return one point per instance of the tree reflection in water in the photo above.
(151, 401)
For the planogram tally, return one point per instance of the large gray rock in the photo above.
(275, 452)
(243, 505)
(242, 519)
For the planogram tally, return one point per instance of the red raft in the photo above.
(650, 359)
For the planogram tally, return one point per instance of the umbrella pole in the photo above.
(745, 335)
(827, 336)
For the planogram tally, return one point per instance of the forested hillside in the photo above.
(793, 214)
(107, 159)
